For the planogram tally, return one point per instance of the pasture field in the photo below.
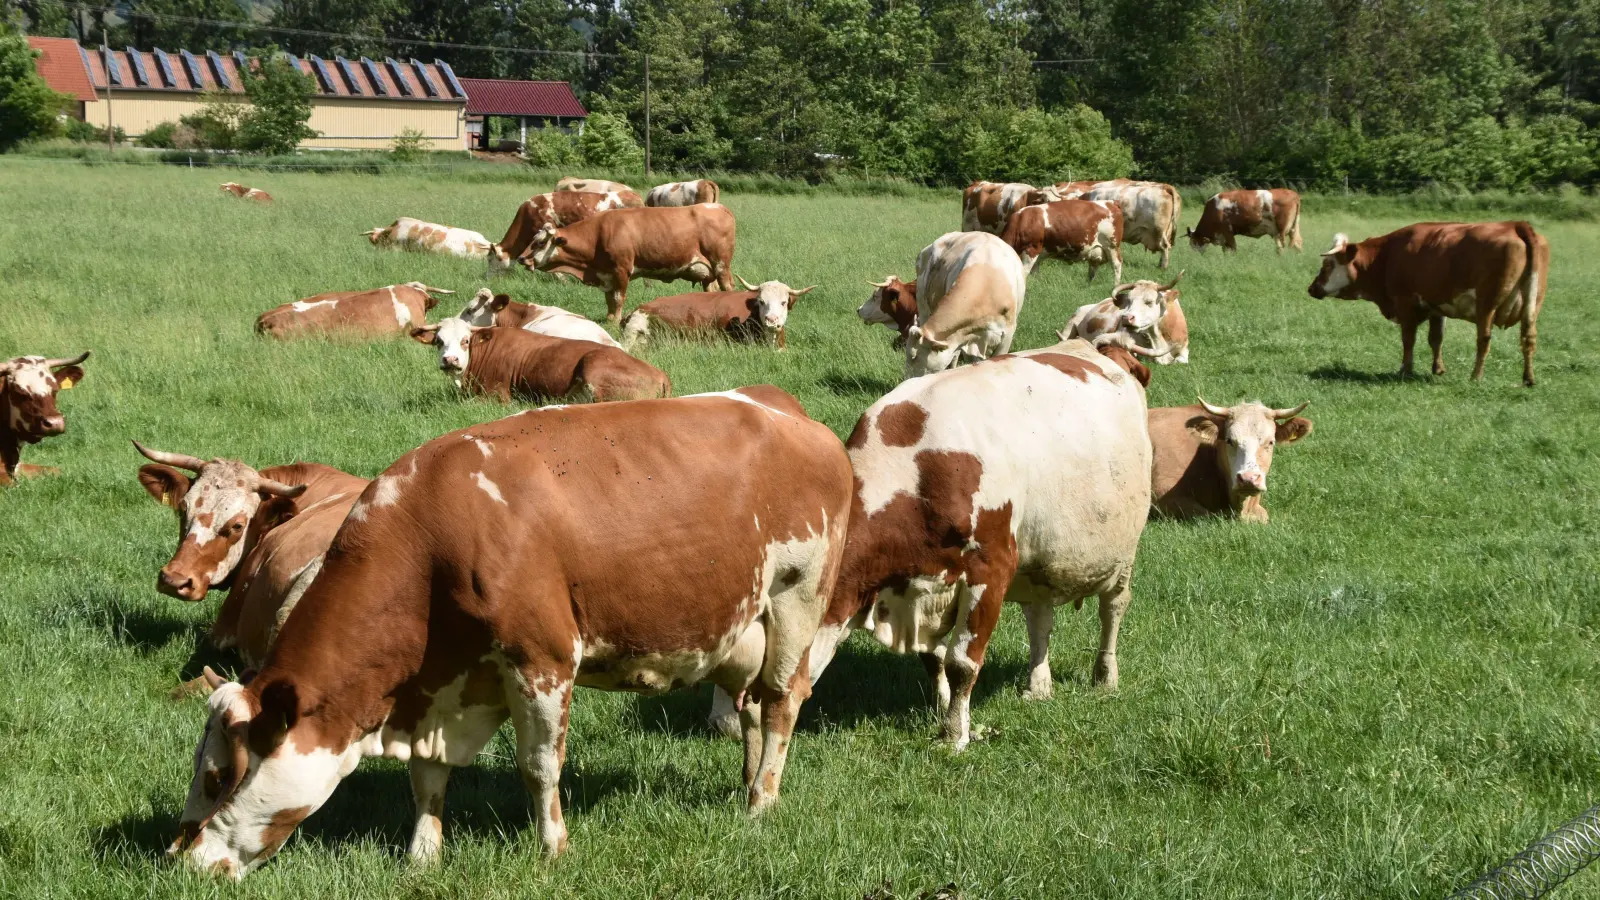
(1384, 692)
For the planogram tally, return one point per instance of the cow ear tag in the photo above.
(64, 384)
(166, 500)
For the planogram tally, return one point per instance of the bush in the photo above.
(607, 142)
(84, 133)
(28, 108)
(1033, 145)
(407, 146)
(280, 98)
(216, 125)
(162, 136)
(551, 148)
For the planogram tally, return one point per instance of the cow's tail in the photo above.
(1294, 229)
(709, 191)
(1177, 214)
(635, 331)
(1531, 287)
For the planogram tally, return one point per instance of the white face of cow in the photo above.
(926, 355)
(1245, 440)
(499, 260)
(1141, 304)
(242, 806)
(1338, 275)
(451, 338)
(545, 244)
(774, 299)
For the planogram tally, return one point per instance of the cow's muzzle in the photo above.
(50, 426)
(184, 587)
(1250, 482)
(1316, 292)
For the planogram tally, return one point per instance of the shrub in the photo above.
(216, 125)
(28, 108)
(280, 99)
(608, 143)
(162, 136)
(407, 146)
(550, 148)
(82, 132)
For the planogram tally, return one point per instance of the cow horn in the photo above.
(434, 290)
(371, 233)
(747, 285)
(1140, 350)
(212, 678)
(1174, 282)
(278, 488)
(57, 363)
(1122, 287)
(1214, 410)
(807, 290)
(192, 463)
(1288, 413)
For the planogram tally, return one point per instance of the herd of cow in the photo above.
(608, 545)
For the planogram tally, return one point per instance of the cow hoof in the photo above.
(1037, 693)
(727, 726)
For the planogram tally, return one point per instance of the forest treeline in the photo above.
(1376, 94)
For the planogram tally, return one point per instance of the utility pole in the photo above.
(105, 59)
(647, 114)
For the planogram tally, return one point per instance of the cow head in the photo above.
(222, 510)
(1338, 275)
(451, 337)
(893, 303)
(1197, 241)
(380, 236)
(500, 260)
(1141, 304)
(256, 778)
(773, 301)
(547, 241)
(28, 387)
(485, 306)
(1245, 436)
(926, 354)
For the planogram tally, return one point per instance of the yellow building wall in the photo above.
(347, 124)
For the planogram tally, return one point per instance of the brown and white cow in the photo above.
(691, 243)
(1150, 210)
(246, 193)
(487, 573)
(893, 303)
(415, 234)
(258, 535)
(375, 313)
(1143, 317)
(507, 362)
(760, 312)
(683, 193)
(1213, 460)
(1088, 231)
(970, 288)
(600, 186)
(986, 205)
(489, 308)
(1489, 273)
(557, 209)
(1265, 213)
(28, 411)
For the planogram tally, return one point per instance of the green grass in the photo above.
(1413, 634)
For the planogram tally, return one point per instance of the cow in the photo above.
(558, 208)
(1061, 190)
(1491, 273)
(28, 411)
(970, 290)
(986, 205)
(375, 313)
(246, 193)
(760, 312)
(1213, 460)
(487, 573)
(506, 362)
(1265, 213)
(414, 234)
(489, 308)
(893, 303)
(1069, 230)
(1150, 211)
(1144, 317)
(600, 186)
(692, 243)
(259, 535)
(683, 193)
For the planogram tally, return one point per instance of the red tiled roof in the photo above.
(497, 97)
(60, 64)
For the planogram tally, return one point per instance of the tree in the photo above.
(28, 107)
(608, 143)
(280, 100)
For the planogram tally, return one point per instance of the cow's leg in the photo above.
(428, 780)
(933, 662)
(1530, 343)
(1229, 245)
(1041, 620)
(750, 730)
(779, 711)
(29, 470)
(617, 297)
(976, 617)
(782, 340)
(733, 677)
(1116, 265)
(1408, 344)
(1485, 329)
(539, 712)
(1113, 605)
(1166, 256)
(1436, 342)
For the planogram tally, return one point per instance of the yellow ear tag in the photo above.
(65, 384)
(166, 500)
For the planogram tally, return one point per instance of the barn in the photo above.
(542, 104)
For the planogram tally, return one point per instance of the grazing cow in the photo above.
(1264, 213)
(760, 312)
(683, 193)
(986, 205)
(258, 535)
(692, 243)
(600, 186)
(414, 234)
(970, 290)
(893, 303)
(246, 193)
(489, 308)
(557, 209)
(28, 411)
(502, 362)
(1150, 211)
(1142, 316)
(1069, 230)
(375, 313)
(1492, 273)
(1211, 460)
(487, 573)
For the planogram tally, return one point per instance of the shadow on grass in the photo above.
(141, 836)
(852, 384)
(1341, 372)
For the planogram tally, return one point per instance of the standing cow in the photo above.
(1213, 460)
(491, 571)
(1143, 317)
(970, 288)
(28, 411)
(415, 234)
(489, 308)
(1069, 230)
(1150, 209)
(692, 243)
(683, 193)
(599, 186)
(375, 313)
(1492, 273)
(987, 205)
(1265, 213)
(557, 208)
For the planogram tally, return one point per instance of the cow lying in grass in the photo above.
(489, 308)
(246, 193)
(1142, 316)
(415, 234)
(760, 312)
(28, 411)
(375, 313)
(1213, 460)
(506, 362)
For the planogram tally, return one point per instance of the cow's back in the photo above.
(662, 235)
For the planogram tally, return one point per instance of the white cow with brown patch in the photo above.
(488, 309)
(683, 193)
(415, 234)
(988, 205)
(1143, 317)
(1265, 213)
(970, 288)
(1150, 209)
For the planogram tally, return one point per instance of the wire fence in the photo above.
(1544, 866)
